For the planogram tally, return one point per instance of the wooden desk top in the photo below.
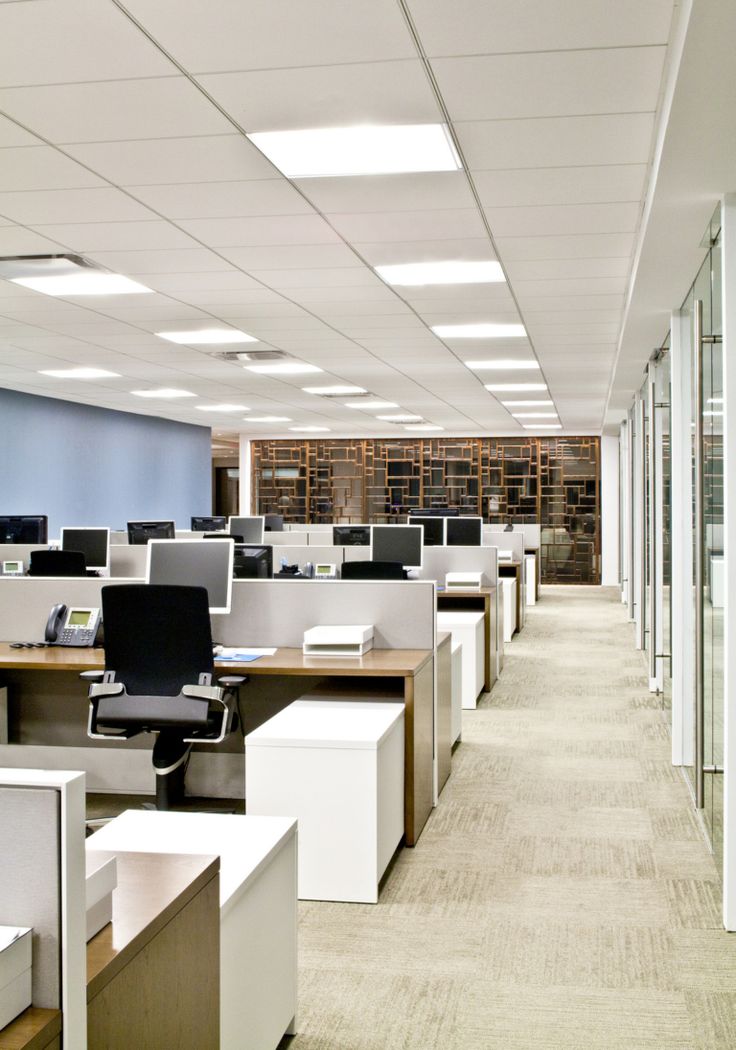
(152, 888)
(399, 663)
(34, 1029)
(475, 592)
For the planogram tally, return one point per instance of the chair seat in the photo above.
(123, 711)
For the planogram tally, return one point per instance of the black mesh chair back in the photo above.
(57, 563)
(222, 536)
(157, 638)
(373, 570)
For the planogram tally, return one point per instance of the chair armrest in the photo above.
(232, 680)
(92, 676)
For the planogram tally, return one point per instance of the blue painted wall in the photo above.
(83, 465)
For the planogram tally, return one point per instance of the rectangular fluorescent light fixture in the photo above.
(450, 272)
(530, 403)
(367, 149)
(168, 392)
(284, 368)
(85, 282)
(401, 418)
(268, 419)
(542, 426)
(368, 404)
(534, 415)
(502, 365)
(206, 336)
(423, 426)
(311, 430)
(503, 388)
(222, 408)
(335, 391)
(479, 331)
(79, 373)
(715, 400)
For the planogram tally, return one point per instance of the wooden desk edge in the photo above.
(34, 1029)
(104, 961)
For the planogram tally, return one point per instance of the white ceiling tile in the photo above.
(255, 231)
(617, 138)
(349, 276)
(473, 27)
(551, 84)
(374, 293)
(571, 303)
(224, 282)
(210, 35)
(440, 190)
(458, 296)
(293, 256)
(74, 41)
(12, 135)
(561, 219)
(540, 269)
(589, 185)
(117, 236)
(578, 246)
(187, 260)
(215, 158)
(41, 168)
(581, 286)
(103, 204)
(15, 240)
(455, 223)
(536, 318)
(202, 200)
(383, 254)
(162, 107)
(366, 93)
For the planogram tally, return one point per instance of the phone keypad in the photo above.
(73, 636)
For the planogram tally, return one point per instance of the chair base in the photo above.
(170, 761)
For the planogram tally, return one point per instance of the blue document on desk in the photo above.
(239, 658)
(245, 655)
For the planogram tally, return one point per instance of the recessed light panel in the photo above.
(268, 419)
(503, 365)
(310, 430)
(79, 373)
(542, 426)
(503, 388)
(360, 150)
(222, 408)
(534, 415)
(401, 418)
(421, 274)
(371, 405)
(423, 426)
(529, 403)
(167, 392)
(86, 282)
(479, 331)
(334, 391)
(284, 368)
(206, 336)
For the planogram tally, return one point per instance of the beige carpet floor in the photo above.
(561, 896)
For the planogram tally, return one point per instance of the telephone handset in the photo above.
(72, 626)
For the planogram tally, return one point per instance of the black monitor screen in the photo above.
(213, 524)
(249, 528)
(191, 563)
(273, 522)
(351, 535)
(93, 543)
(24, 528)
(252, 562)
(434, 512)
(464, 532)
(140, 532)
(434, 530)
(398, 543)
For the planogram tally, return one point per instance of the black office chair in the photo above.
(57, 563)
(222, 536)
(158, 678)
(373, 570)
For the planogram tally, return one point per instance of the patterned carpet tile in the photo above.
(713, 1019)
(583, 822)
(694, 903)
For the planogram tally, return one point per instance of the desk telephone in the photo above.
(72, 626)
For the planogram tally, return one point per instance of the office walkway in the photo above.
(561, 896)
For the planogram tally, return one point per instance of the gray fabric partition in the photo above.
(438, 561)
(30, 880)
(507, 541)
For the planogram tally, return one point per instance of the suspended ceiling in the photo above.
(122, 138)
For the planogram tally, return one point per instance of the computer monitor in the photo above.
(218, 523)
(273, 522)
(398, 543)
(351, 535)
(464, 532)
(24, 528)
(250, 528)
(433, 529)
(191, 563)
(434, 512)
(94, 543)
(140, 532)
(253, 562)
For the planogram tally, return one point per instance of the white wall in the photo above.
(245, 479)
(609, 511)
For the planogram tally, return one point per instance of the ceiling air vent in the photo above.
(252, 356)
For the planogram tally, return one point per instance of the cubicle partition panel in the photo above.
(128, 561)
(42, 885)
(299, 555)
(25, 603)
(438, 561)
(506, 541)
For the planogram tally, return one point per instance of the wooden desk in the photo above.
(146, 986)
(406, 673)
(515, 569)
(484, 601)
